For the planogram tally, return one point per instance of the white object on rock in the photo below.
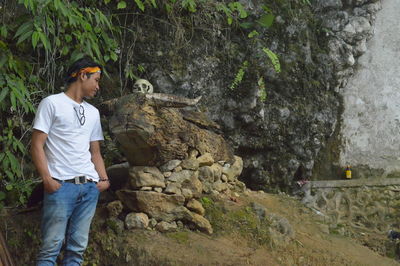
(144, 86)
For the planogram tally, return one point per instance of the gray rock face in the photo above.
(297, 121)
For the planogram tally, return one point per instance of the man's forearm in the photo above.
(98, 162)
(40, 162)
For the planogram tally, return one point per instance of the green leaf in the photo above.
(68, 38)
(13, 101)
(3, 94)
(153, 3)
(35, 38)
(24, 28)
(24, 36)
(274, 59)
(3, 31)
(113, 56)
(253, 34)
(246, 25)
(44, 40)
(140, 5)
(2, 195)
(9, 187)
(121, 5)
(107, 1)
(266, 20)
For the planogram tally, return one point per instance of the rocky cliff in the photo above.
(292, 132)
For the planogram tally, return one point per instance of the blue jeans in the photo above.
(67, 214)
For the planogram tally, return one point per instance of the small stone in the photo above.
(206, 173)
(214, 193)
(136, 220)
(205, 160)
(219, 186)
(173, 188)
(193, 154)
(177, 169)
(190, 164)
(224, 178)
(202, 223)
(217, 169)
(169, 166)
(181, 176)
(158, 189)
(114, 208)
(146, 189)
(261, 191)
(166, 227)
(187, 193)
(152, 222)
(207, 187)
(236, 194)
(195, 206)
(167, 174)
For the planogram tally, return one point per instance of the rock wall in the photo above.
(369, 204)
(294, 133)
(371, 117)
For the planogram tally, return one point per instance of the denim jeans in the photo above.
(67, 214)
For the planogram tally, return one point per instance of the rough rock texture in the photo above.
(157, 205)
(114, 208)
(142, 176)
(136, 221)
(283, 138)
(152, 135)
(166, 227)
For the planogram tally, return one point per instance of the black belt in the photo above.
(82, 179)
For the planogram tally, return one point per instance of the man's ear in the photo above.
(83, 76)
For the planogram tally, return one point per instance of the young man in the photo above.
(66, 152)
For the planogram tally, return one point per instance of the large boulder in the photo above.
(152, 135)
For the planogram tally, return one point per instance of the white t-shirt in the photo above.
(68, 141)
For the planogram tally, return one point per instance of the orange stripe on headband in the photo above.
(86, 70)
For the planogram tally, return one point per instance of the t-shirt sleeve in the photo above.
(44, 116)
(97, 132)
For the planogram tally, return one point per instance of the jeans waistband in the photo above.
(82, 179)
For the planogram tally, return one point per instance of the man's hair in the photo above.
(78, 65)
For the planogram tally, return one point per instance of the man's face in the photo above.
(90, 85)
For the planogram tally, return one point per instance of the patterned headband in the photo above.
(86, 70)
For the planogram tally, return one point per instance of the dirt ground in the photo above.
(311, 243)
(310, 246)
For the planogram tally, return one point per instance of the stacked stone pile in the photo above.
(166, 197)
